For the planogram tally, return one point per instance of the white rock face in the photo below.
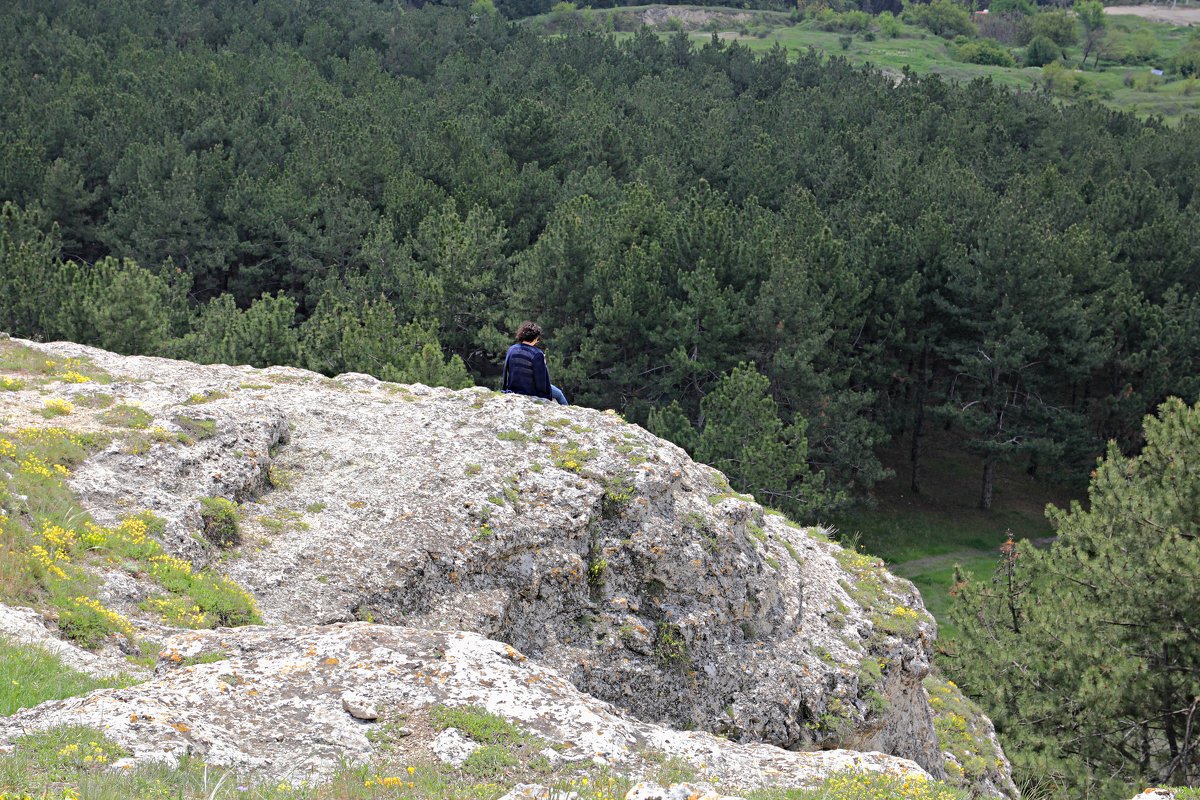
(451, 747)
(273, 703)
(677, 791)
(589, 546)
(534, 791)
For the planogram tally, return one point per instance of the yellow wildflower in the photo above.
(57, 405)
(32, 465)
(134, 529)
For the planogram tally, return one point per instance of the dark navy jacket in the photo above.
(525, 371)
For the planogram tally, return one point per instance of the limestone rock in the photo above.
(358, 707)
(676, 791)
(272, 703)
(583, 542)
(451, 747)
(534, 791)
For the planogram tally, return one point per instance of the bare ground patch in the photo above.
(1172, 15)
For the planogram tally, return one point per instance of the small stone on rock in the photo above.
(359, 707)
(553, 756)
(534, 791)
(451, 747)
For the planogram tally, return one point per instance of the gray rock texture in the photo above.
(677, 791)
(592, 548)
(269, 699)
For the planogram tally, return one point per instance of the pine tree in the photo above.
(263, 335)
(671, 423)
(367, 338)
(744, 438)
(28, 257)
(1087, 655)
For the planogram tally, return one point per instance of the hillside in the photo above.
(1139, 38)
(408, 549)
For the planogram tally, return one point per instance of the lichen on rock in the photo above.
(595, 552)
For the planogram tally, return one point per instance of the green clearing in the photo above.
(935, 579)
(922, 537)
(1126, 87)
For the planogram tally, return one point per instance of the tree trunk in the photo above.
(985, 494)
(914, 455)
(1168, 705)
(918, 430)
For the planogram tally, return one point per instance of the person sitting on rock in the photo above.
(525, 367)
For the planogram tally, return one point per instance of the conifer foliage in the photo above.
(380, 188)
(1088, 654)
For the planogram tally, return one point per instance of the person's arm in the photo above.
(504, 373)
(541, 377)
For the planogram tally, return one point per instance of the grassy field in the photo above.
(1125, 87)
(923, 537)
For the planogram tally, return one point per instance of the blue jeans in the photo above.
(559, 397)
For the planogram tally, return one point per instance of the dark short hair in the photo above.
(528, 331)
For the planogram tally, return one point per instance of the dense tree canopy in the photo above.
(382, 188)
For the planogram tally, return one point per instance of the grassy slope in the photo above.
(29, 675)
(925, 53)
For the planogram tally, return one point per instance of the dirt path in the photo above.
(909, 569)
(1180, 15)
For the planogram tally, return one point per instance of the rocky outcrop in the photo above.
(583, 542)
(239, 696)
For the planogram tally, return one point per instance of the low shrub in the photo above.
(1057, 26)
(985, 51)
(220, 519)
(849, 21)
(889, 26)
(1041, 51)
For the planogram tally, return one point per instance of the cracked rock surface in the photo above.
(245, 708)
(603, 555)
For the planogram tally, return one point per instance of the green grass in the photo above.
(480, 725)
(30, 675)
(220, 519)
(196, 427)
(50, 548)
(33, 367)
(961, 730)
(922, 537)
(935, 581)
(898, 536)
(126, 416)
(205, 397)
